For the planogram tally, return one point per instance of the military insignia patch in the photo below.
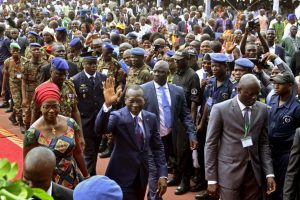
(225, 96)
(194, 91)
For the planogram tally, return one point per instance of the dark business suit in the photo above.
(90, 101)
(291, 189)
(128, 165)
(182, 31)
(61, 193)
(45, 71)
(23, 43)
(279, 51)
(179, 110)
(219, 28)
(209, 31)
(237, 170)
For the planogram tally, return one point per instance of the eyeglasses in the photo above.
(53, 106)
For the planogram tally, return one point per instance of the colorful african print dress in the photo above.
(66, 172)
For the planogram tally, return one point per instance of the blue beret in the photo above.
(291, 16)
(59, 63)
(218, 57)
(61, 28)
(244, 62)
(131, 35)
(108, 46)
(115, 31)
(137, 51)
(74, 42)
(34, 45)
(33, 33)
(83, 13)
(98, 187)
(170, 53)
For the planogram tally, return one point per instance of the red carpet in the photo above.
(11, 148)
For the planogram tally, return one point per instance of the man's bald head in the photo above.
(163, 65)
(248, 89)
(161, 72)
(39, 165)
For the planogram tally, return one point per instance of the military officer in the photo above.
(139, 72)
(30, 79)
(68, 105)
(284, 119)
(109, 66)
(12, 73)
(89, 88)
(76, 47)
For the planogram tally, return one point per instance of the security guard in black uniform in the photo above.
(89, 88)
(284, 119)
(186, 78)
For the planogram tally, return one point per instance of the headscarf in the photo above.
(46, 91)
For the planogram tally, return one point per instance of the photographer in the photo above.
(156, 52)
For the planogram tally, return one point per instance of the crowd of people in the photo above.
(175, 97)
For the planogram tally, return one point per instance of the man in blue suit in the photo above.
(89, 88)
(168, 102)
(135, 134)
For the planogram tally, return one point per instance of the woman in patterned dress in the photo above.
(60, 134)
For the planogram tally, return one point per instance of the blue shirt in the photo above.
(283, 120)
(214, 94)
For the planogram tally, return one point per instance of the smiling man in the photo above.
(136, 133)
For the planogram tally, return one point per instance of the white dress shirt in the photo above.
(272, 49)
(163, 130)
(88, 75)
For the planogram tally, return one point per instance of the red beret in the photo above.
(46, 91)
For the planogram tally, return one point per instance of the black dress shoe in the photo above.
(182, 189)
(203, 195)
(13, 120)
(198, 187)
(105, 154)
(173, 182)
(4, 105)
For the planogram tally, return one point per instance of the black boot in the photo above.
(13, 119)
(103, 144)
(108, 150)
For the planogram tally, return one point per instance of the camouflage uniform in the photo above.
(77, 60)
(14, 70)
(68, 100)
(28, 54)
(31, 74)
(139, 76)
(112, 68)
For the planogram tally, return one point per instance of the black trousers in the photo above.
(91, 153)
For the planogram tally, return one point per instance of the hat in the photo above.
(218, 57)
(33, 33)
(90, 59)
(291, 16)
(61, 28)
(34, 45)
(178, 7)
(114, 31)
(180, 54)
(14, 45)
(206, 57)
(137, 51)
(244, 62)
(107, 46)
(170, 53)
(191, 51)
(293, 27)
(47, 90)
(48, 30)
(131, 35)
(83, 13)
(59, 63)
(75, 42)
(285, 77)
(98, 187)
(120, 26)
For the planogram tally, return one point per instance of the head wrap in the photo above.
(48, 30)
(46, 91)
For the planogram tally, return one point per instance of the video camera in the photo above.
(252, 24)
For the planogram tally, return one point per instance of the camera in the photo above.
(258, 62)
(252, 24)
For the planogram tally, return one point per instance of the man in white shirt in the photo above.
(291, 21)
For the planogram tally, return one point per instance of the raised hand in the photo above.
(230, 45)
(109, 93)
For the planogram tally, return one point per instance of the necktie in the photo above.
(186, 27)
(246, 120)
(138, 132)
(166, 108)
(92, 81)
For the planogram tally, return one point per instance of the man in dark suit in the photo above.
(89, 88)
(291, 189)
(22, 41)
(237, 148)
(184, 27)
(223, 24)
(168, 102)
(135, 133)
(209, 29)
(295, 63)
(39, 166)
(273, 48)
(130, 26)
(59, 50)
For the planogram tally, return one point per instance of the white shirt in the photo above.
(49, 191)
(146, 28)
(272, 49)
(94, 75)
(163, 130)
